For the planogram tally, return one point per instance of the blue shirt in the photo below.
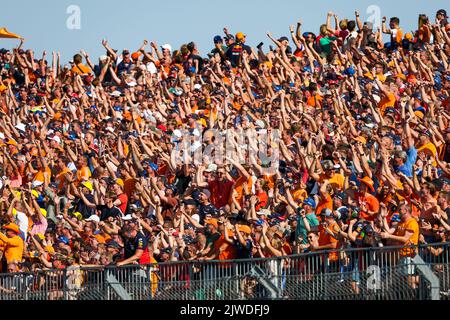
(407, 167)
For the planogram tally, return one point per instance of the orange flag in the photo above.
(6, 34)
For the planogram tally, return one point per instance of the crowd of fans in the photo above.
(90, 151)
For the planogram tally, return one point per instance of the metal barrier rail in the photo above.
(366, 273)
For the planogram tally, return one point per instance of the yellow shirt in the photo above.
(13, 249)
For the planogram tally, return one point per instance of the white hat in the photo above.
(21, 127)
(196, 217)
(264, 212)
(103, 58)
(212, 168)
(110, 129)
(2, 136)
(167, 47)
(94, 218)
(115, 94)
(197, 86)
(36, 183)
(132, 84)
(57, 139)
(260, 123)
(50, 132)
(128, 217)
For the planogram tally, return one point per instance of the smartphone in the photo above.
(259, 46)
(271, 48)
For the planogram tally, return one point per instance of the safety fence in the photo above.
(389, 273)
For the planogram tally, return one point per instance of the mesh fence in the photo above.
(353, 274)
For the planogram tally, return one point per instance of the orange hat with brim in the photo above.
(369, 182)
(245, 229)
(13, 227)
(212, 221)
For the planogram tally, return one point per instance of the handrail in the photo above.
(256, 260)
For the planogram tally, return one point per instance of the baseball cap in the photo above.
(340, 195)
(94, 218)
(211, 168)
(113, 244)
(263, 212)
(310, 202)
(240, 36)
(207, 193)
(442, 11)
(128, 217)
(326, 212)
(64, 240)
(36, 183)
(218, 39)
(167, 47)
(88, 185)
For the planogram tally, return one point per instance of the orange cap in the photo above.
(240, 36)
(135, 55)
(13, 227)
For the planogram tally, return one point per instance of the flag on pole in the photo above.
(6, 34)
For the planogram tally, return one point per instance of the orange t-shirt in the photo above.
(263, 199)
(386, 102)
(226, 250)
(326, 238)
(371, 203)
(81, 69)
(40, 175)
(239, 187)
(324, 203)
(60, 179)
(83, 174)
(411, 225)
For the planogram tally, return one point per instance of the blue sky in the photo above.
(125, 24)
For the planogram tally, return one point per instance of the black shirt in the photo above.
(108, 212)
(139, 242)
(82, 208)
(204, 210)
(244, 252)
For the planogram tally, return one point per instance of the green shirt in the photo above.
(301, 229)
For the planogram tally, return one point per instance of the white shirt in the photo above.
(21, 220)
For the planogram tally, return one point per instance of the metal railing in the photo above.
(390, 273)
